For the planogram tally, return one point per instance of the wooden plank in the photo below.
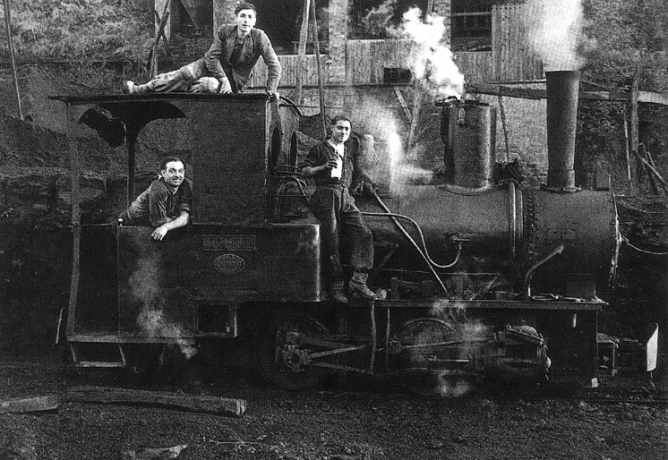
(654, 98)
(31, 404)
(512, 56)
(107, 395)
(153, 453)
(358, 67)
(650, 167)
(497, 90)
(501, 43)
(476, 66)
(534, 93)
(402, 101)
(301, 55)
(376, 55)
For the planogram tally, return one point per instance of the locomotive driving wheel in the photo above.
(284, 352)
(429, 351)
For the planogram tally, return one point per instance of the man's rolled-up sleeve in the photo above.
(213, 55)
(312, 159)
(187, 198)
(270, 58)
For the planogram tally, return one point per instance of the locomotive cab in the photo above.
(129, 289)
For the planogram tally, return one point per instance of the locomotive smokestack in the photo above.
(562, 106)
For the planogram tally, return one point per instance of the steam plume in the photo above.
(555, 32)
(145, 287)
(432, 61)
(387, 163)
(471, 333)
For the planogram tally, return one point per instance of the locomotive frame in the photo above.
(248, 265)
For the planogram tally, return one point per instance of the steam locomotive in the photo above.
(476, 277)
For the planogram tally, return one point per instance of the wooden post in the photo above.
(642, 152)
(415, 115)
(404, 106)
(72, 117)
(626, 148)
(10, 45)
(502, 110)
(301, 55)
(633, 114)
(161, 28)
(316, 44)
(635, 87)
(650, 168)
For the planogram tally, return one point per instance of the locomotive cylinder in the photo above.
(562, 105)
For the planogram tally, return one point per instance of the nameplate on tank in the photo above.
(228, 242)
(229, 264)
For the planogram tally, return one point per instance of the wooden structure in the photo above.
(363, 62)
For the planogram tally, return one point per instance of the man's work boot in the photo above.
(130, 87)
(358, 285)
(336, 292)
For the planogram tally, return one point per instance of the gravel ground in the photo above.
(625, 418)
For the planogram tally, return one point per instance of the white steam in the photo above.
(455, 389)
(472, 333)
(145, 287)
(555, 32)
(431, 61)
(386, 162)
(403, 173)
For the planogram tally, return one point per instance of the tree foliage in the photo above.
(627, 33)
(78, 29)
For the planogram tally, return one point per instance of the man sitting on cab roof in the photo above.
(165, 204)
(227, 66)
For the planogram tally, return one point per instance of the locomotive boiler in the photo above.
(477, 276)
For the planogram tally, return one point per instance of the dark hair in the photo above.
(244, 6)
(338, 118)
(163, 163)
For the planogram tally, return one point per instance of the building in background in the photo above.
(365, 65)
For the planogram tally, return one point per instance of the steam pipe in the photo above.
(562, 108)
(407, 235)
(425, 254)
(527, 278)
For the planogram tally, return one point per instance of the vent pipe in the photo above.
(562, 108)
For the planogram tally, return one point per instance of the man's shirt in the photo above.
(159, 203)
(219, 57)
(319, 155)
